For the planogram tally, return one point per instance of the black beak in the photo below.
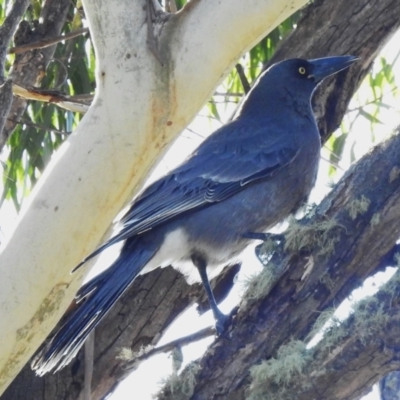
(324, 67)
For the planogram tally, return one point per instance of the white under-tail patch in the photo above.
(174, 248)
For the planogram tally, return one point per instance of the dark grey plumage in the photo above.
(246, 177)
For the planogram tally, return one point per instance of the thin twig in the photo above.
(222, 102)
(338, 158)
(228, 94)
(71, 103)
(194, 337)
(379, 98)
(47, 42)
(23, 121)
(194, 132)
(242, 77)
(332, 163)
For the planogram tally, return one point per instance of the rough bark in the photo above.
(69, 382)
(349, 359)
(319, 269)
(139, 319)
(6, 97)
(7, 31)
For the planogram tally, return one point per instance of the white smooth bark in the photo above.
(139, 108)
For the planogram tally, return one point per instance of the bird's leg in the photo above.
(220, 318)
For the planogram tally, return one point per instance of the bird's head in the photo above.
(296, 78)
(307, 74)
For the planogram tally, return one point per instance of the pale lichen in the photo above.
(181, 387)
(394, 173)
(289, 363)
(375, 219)
(318, 235)
(259, 285)
(358, 207)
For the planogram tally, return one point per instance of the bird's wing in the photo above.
(210, 175)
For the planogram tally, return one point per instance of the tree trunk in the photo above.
(326, 257)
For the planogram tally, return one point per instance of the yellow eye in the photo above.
(302, 70)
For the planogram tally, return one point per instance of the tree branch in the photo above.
(41, 44)
(72, 103)
(352, 354)
(133, 361)
(327, 256)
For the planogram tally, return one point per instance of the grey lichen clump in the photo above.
(126, 354)
(375, 219)
(358, 207)
(180, 387)
(297, 363)
(290, 361)
(259, 285)
(320, 236)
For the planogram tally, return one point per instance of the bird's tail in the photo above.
(94, 300)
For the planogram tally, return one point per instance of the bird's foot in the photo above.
(272, 242)
(221, 324)
(223, 321)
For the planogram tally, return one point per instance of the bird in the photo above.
(246, 177)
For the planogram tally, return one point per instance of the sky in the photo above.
(147, 380)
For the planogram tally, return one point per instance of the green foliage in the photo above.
(180, 3)
(43, 127)
(30, 150)
(368, 114)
